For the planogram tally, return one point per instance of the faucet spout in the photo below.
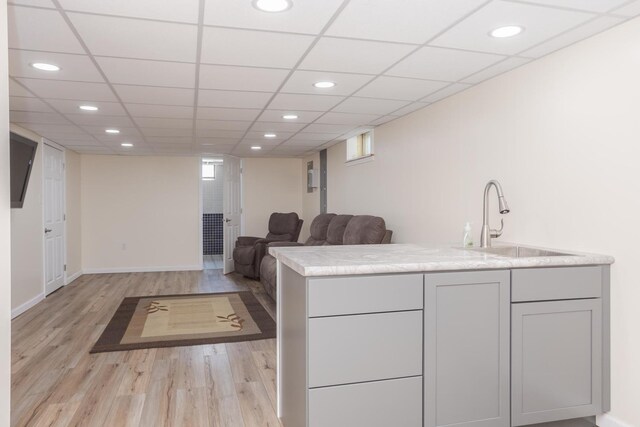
(487, 233)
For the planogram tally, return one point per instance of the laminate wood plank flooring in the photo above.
(56, 382)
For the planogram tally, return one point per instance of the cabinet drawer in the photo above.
(375, 404)
(333, 296)
(542, 284)
(368, 347)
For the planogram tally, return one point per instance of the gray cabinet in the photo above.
(466, 349)
(556, 360)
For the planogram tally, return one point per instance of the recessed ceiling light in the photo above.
(270, 135)
(290, 117)
(506, 31)
(114, 131)
(324, 85)
(272, 5)
(127, 144)
(256, 147)
(88, 107)
(45, 67)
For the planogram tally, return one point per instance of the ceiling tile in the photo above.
(109, 36)
(72, 107)
(72, 67)
(167, 140)
(277, 126)
(37, 117)
(155, 95)
(215, 133)
(285, 101)
(383, 120)
(410, 108)
(178, 11)
(409, 21)
(369, 106)
(328, 128)
(37, 3)
(252, 48)
(346, 118)
(494, 70)
(540, 24)
(100, 120)
(241, 78)
(314, 136)
(232, 99)
(446, 92)
(100, 134)
(216, 141)
(16, 89)
(148, 73)
(298, 142)
(346, 84)
(435, 63)
(80, 138)
(257, 139)
(259, 136)
(222, 125)
(164, 123)
(247, 114)
(632, 9)
(276, 116)
(69, 90)
(572, 36)
(356, 56)
(17, 103)
(168, 132)
(40, 29)
(46, 129)
(303, 17)
(588, 5)
(162, 111)
(400, 88)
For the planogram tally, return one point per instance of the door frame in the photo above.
(52, 144)
(201, 205)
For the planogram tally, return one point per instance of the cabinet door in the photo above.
(556, 360)
(466, 378)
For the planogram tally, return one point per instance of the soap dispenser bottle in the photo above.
(467, 239)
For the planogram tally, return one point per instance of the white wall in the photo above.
(140, 213)
(27, 250)
(5, 229)
(269, 185)
(310, 201)
(562, 136)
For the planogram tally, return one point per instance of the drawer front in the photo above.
(543, 284)
(368, 347)
(375, 404)
(333, 296)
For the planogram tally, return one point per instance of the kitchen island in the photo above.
(408, 335)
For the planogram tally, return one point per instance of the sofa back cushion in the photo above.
(335, 231)
(318, 229)
(364, 230)
(281, 225)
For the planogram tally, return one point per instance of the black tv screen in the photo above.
(23, 151)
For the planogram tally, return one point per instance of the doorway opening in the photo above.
(212, 213)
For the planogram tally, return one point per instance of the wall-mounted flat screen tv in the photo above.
(23, 152)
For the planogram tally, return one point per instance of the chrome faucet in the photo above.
(487, 233)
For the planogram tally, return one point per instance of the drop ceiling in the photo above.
(196, 77)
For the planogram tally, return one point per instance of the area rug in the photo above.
(181, 320)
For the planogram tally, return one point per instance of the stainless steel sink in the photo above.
(519, 252)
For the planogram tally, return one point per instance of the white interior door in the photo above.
(53, 219)
(232, 208)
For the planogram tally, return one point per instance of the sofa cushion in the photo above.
(244, 254)
(282, 223)
(364, 230)
(319, 228)
(335, 231)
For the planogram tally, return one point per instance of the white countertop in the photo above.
(404, 258)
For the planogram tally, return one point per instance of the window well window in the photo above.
(208, 169)
(360, 146)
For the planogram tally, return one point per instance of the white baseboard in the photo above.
(141, 269)
(26, 306)
(607, 420)
(73, 277)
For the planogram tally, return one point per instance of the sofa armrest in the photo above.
(247, 241)
(282, 244)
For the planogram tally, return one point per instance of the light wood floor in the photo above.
(212, 262)
(56, 382)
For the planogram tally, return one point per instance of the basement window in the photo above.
(208, 169)
(360, 147)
